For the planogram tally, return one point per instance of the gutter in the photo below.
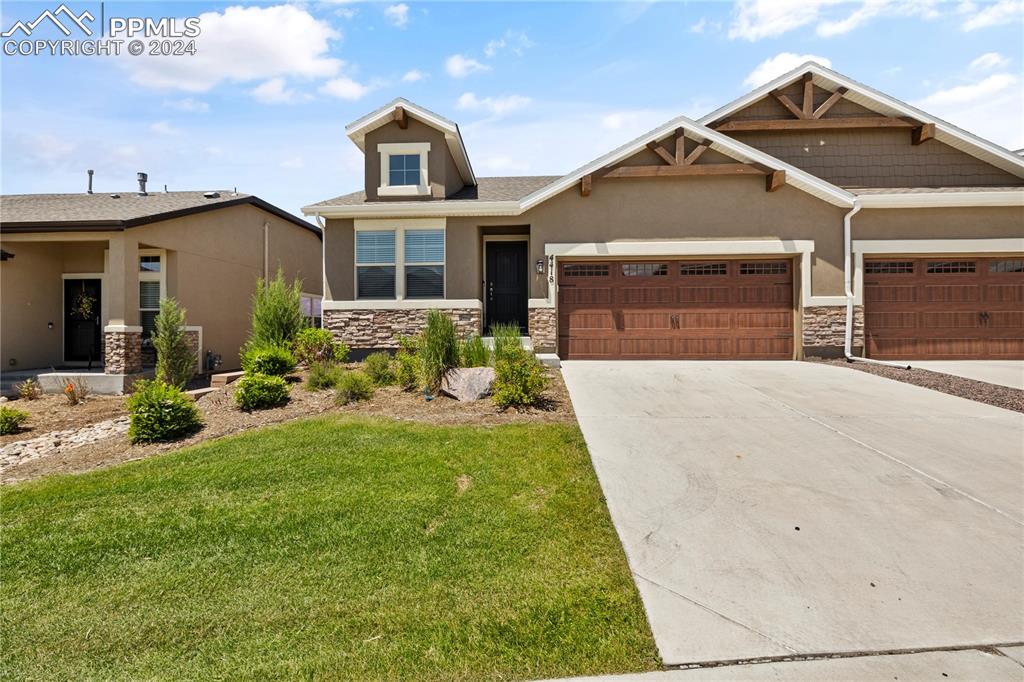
(323, 264)
(848, 283)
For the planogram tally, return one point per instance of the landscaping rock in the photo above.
(56, 442)
(468, 383)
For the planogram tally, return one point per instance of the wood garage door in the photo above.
(944, 308)
(665, 309)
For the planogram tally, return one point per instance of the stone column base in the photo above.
(824, 330)
(543, 330)
(367, 328)
(122, 350)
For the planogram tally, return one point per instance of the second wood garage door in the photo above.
(665, 309)
(944, 308)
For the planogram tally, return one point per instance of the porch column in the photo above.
(122, 337)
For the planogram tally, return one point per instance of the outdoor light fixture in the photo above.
(540, 266)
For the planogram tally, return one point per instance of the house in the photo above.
(746, 235)
(83, 274)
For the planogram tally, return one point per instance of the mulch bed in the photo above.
(52, 412)
(223, 418)
(991, 394)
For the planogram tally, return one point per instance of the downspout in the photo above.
(323, 265)
(848, 282)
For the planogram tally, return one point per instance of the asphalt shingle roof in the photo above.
(123, 209)
(488, 189)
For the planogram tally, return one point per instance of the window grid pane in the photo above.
(894, 267)
(644, 269)
(1006, 266)
(584, 270)
(424, 246)
(375, 281)
(424, 281)
(149, 263)
(950, 267)
(768, 268)
(375, 247)
(404, 169)
(688, 269)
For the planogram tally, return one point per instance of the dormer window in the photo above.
(403, 169)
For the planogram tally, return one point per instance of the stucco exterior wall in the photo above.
(939, 223)
(441, 170)
(31, 291)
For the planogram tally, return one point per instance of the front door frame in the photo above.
(483, 283)
(63, 314)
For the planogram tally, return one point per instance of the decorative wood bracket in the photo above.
(585, 185)
(925, 132)
(401, 118)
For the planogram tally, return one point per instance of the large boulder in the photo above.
(468, 383)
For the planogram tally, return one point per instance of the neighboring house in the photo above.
(83, 274)
(718, 238)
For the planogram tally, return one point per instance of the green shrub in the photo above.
(519, 379)
(352, 387)
(260, 391)
(159, 411)
(322, 375)
(409, 344)
(506, 340)
(30, 389)
(438, 350)
(313, 344)
(378, 368)
(11, 420)
(407, 370)
(175, 358)
(276, 312)
(271, 360)
(473, 353)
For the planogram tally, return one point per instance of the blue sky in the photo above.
(537, 88)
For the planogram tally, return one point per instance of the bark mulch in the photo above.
(52, 412)
(991, 394)
(223, 418)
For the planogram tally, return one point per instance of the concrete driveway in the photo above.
(1003, 372)
(778, 509)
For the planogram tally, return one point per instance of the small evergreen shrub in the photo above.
(438, 349)
(159, 411)
(260, 391)
(353, 387)
(313, 344)
(506, 340)
(519, 380)
(322, 376)
(30, 389)
(407, 370)
(378, 368)
(270, 360)
(175, 359)
(276, 312)
(473, 353)
(11, 420)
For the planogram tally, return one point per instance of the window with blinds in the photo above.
(150, 291)
(424, 264)
(375, 264)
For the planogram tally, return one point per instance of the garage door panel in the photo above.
(676, 309)
(944, 308)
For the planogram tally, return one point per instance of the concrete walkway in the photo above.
(778, 509)
(1003, 372)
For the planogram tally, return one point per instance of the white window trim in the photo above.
(386, 150)
(399, 227)
(161, 277)
(313, 297)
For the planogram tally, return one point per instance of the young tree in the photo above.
(276, 312)
(175, 358)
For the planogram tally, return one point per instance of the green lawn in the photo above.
(325, 549)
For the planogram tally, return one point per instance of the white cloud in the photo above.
(757, 19)
(345, 88)
(414, 76)
(1002, 12)
(398, 14)
(516, 42)
(459, 66)
(869, 9)
(244, 44)
(293, 163)
(780, 64)
(188, 105)
(164, 128)
(45, 148)
(990, 60)
(989, 107)
(705, 26)
(346, 12)
(496, 106)
(273, 91)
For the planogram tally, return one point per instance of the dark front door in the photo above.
(82, 320)
(506, 290)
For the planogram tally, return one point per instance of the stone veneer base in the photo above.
(122, 352)
(378, 328)
(543, 329)
(824, 331)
